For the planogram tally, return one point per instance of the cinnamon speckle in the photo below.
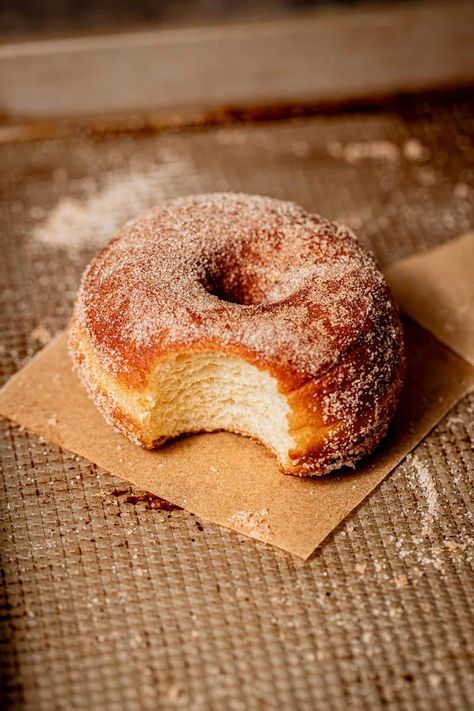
(151, 501)
(292, 290)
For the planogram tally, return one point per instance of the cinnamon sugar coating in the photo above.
(260, 278)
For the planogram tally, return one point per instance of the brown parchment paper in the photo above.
(436, 288)
(231, 480)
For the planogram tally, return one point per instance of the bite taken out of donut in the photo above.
(241, 313)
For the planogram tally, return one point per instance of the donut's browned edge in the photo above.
(371, 353)
(320, 447)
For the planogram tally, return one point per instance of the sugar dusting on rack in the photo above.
(87, 222)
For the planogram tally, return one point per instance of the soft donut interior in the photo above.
(207, 391)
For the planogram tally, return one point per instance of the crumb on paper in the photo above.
(52, 421)
(253, 523)
(401, 581)
(213, 469)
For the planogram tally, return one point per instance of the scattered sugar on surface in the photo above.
(378, 150)
(414, 150)
(421, 480)
(361, 150)
(461, 191)
(427, 176)
(400, 581)
(254, 522)
(429, 548)
(41, 335)
(89, 221)
(455, 418)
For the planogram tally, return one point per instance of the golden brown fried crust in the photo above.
(338, 412)
(318, 444)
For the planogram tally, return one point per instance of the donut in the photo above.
(241, 313)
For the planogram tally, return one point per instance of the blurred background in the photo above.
(64, 59)
(362, 112)
(49, 16)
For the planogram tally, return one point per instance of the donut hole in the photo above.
(257, 284)
(226, 287)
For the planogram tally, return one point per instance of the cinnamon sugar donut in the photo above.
(242, 313)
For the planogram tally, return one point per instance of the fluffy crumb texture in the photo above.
(241, 313)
